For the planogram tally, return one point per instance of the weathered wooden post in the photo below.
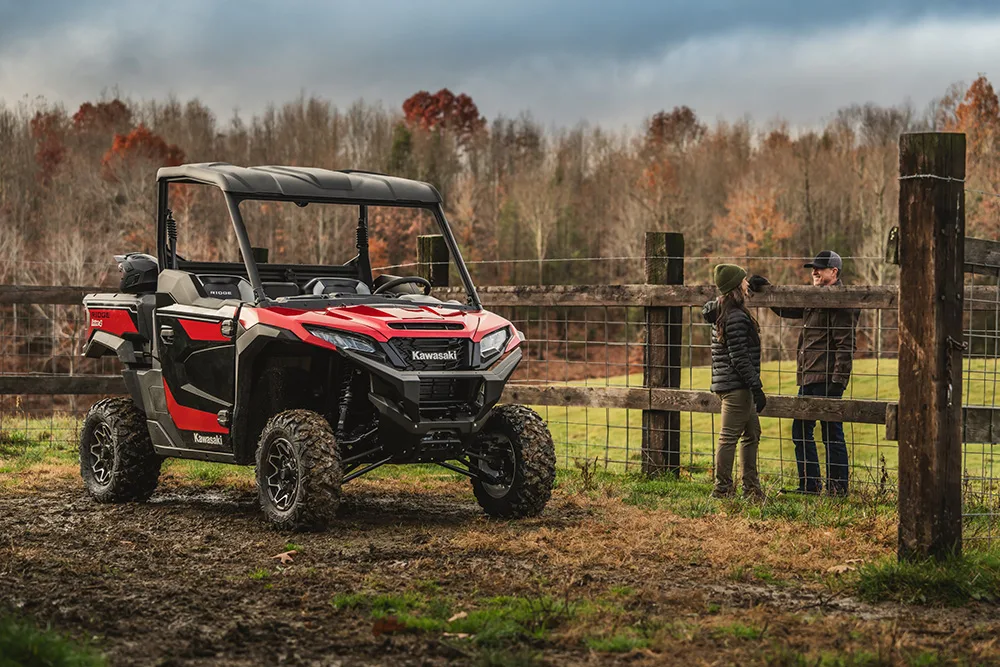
(931, 254)
(432, 259)
(661, 430)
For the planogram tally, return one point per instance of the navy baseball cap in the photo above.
(826, 259)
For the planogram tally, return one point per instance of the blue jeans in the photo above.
(806, 458)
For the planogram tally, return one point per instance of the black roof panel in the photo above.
(303, 183)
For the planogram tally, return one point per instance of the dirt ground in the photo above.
(190, 578)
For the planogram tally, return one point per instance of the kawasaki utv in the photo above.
(314, 373)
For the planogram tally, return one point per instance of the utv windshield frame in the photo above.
(304, 186)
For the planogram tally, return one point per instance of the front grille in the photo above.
(433, 390)
(433, 354)
(443, 397)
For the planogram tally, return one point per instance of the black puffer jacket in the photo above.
(735, 362)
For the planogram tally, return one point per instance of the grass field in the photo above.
(613, 437)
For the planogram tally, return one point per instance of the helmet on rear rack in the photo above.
(139, 272)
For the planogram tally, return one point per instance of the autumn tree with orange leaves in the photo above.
(978, 116)
(457, 114)
(753, 225)
(140, 145)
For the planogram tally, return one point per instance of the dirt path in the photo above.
(190, 579)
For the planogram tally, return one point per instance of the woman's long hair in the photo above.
(729, 300)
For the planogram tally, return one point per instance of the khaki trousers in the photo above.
(740, 423)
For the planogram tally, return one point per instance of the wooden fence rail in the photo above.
(882, 297)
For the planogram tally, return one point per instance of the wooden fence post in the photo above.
(432, 259)
(931, 254)
(661, 430)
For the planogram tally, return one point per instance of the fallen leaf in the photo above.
(841, 569)
(458, 616)
(387, 626)
(285, 557)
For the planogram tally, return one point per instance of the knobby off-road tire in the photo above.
(522, 433)
(298, 471)
(117, 461)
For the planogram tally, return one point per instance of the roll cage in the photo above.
(301, 186)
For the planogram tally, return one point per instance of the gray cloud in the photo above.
(564, 60)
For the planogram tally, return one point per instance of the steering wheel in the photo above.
(396, 282)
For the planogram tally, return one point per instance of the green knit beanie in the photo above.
(728, 277)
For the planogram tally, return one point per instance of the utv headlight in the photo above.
(493, 343)
(343, 341)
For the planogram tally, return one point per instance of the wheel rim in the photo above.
(282, 474)
(102, 454)
(499, 461)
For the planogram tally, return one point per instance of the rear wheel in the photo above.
(117, 461)
(298, 471)
(516, 449)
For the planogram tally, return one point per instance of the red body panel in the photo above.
(374, 321)
(117, 321)
(198, 330)
(189, 419)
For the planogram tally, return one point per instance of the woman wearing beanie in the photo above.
(736, 379)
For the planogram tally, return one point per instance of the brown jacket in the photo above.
(827, 343)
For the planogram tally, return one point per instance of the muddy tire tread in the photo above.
(137, 466)
(536, 471)
(320, 475)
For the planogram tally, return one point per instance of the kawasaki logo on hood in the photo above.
(450, 355)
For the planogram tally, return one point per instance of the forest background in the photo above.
(529, 204)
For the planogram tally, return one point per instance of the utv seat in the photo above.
(275, 290)
(330, 285)
(206, 290)
(225, 287)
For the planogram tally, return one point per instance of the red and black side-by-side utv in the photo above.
(315, 374)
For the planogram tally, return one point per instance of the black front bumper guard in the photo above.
(406, 412)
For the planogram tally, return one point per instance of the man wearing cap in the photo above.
(825, 356)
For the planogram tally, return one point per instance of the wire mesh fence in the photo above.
(980, 377)
(603, 346)
(43, 340)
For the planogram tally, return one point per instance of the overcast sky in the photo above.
(612, 63)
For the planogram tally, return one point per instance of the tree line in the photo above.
(77, 186)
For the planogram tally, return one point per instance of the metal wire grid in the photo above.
(980, 378)
(603, 346)
(43, 340)
(594, 346)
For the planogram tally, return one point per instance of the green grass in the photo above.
(952, 582)
(496, 622)
(22, 644)
(614, 436)
(28, 441)
(740, 631)
(208, 473)
(259, 574)
(690, 499)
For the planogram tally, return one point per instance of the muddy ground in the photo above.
(190, 578)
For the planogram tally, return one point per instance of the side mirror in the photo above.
(259, 255)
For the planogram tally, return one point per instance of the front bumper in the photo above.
(404, 407)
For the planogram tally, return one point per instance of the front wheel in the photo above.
(515, 448)
(117, 461)
(298, 471)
